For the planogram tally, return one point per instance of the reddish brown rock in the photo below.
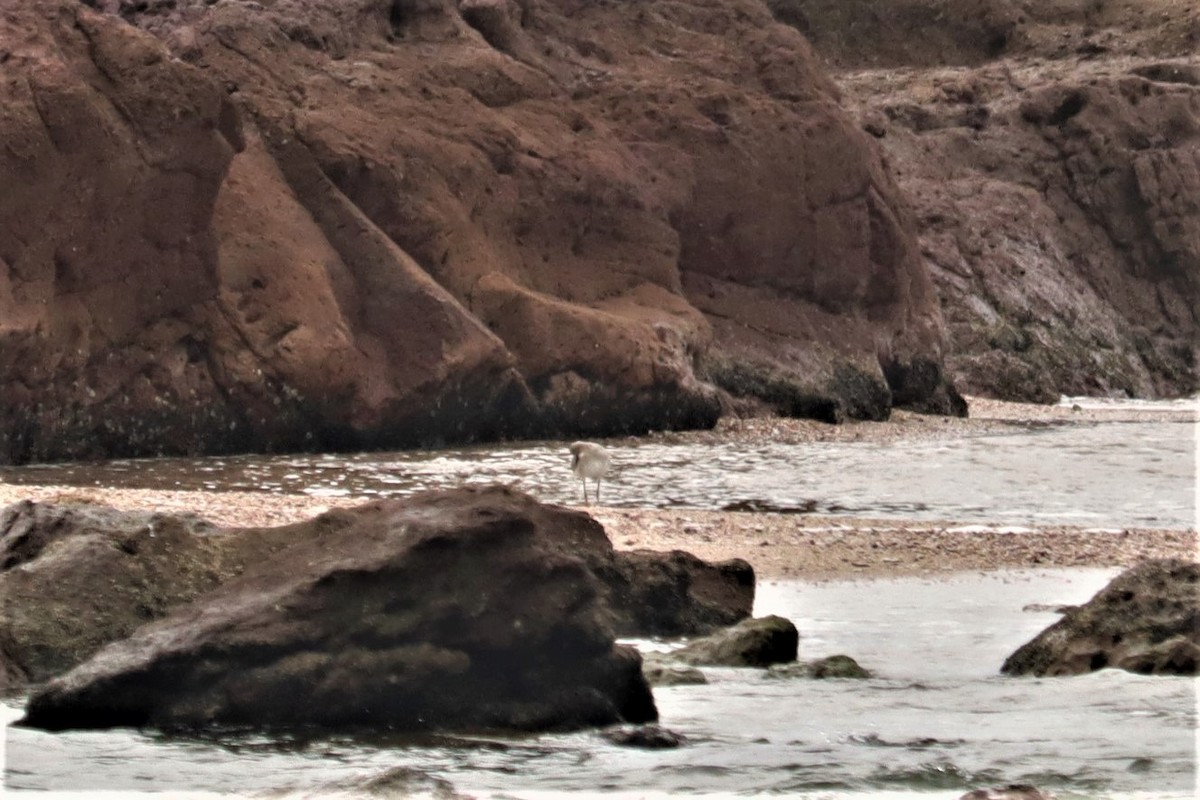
(1052, 154)
(236, 226)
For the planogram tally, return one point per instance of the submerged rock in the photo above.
(756, 642)
(1147, 620)
(466, 609)
(1015, 791)
(659, 672)
(648, 737)
(838, 666)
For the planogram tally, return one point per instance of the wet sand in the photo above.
(777, 545)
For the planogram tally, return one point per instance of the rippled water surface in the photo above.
(1134, 474)
(937, 720)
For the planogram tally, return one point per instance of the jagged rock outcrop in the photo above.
(75, 577)
(1052, 155)
(1146, 620)
(474, 608)
(237, 226)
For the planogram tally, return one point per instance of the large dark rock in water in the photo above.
(1147, 621)
(75, 577)
(469, 609)
(246, 227)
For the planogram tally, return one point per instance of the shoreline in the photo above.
(778, 545)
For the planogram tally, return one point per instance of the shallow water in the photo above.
(937, 720)
(1109, 475)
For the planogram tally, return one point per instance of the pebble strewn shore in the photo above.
(778, 545)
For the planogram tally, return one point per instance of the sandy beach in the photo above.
(776, 544)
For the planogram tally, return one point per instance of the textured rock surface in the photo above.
(464, 609)
(757, 642)
(677, 594)
(1147, 620)
(76, 577)
(241, 226)
(1052, 154)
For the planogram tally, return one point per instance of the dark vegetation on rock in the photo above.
(77, 577)
(307, 225)
(1147, 620)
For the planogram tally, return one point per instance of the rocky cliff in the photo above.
(237, 225)
(1051, 152)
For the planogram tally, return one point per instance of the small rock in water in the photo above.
(659, 674)
(757, 642)
(1057, 609)
(649, 737)
(1016, 791)
(838, 666)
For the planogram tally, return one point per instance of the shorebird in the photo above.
(589, 460)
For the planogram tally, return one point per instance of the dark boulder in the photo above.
(677, 594)
(76, 576)
(751, 643)
(1147, 620)
(466, 609)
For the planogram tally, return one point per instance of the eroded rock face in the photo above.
(1147, 621)
(463, 609)
(1052, 155)
(237, 226)
(75, 577)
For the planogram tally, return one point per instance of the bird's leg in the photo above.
(597, 490)
(585, 500)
